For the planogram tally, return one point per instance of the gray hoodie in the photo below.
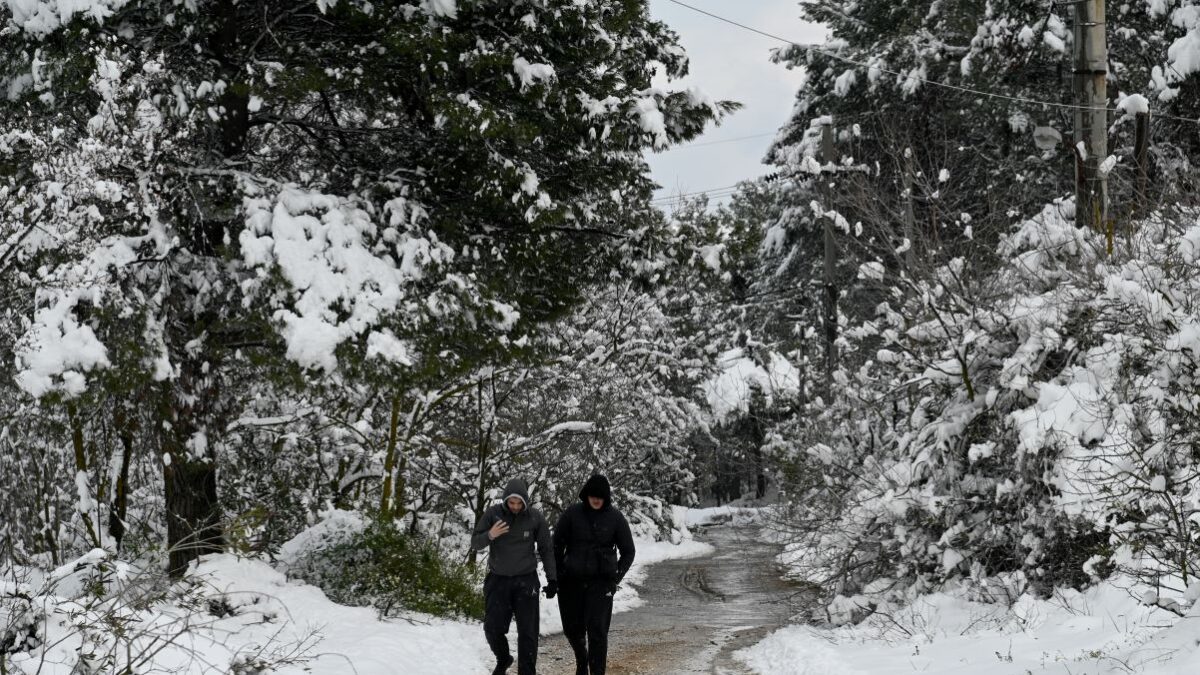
(512, 553)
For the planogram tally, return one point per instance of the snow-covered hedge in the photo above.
(1030, 427)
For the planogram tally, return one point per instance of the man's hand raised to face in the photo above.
(498, 528)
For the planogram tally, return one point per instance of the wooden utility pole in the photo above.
(1091, 113)
(829, 308)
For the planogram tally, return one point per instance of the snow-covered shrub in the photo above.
(1034, 424)
(99, 614)
(652, 517)
(21, 621)
(383, 567)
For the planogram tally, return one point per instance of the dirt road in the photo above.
(696, 614)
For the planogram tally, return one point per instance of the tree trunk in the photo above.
(1141, 159)
(119, 506)
(400, 508)
(189, 471)
(389, 463)
(90, 518)
(193, 512)
(830, 296)
(480, 505)
(758, 437)
(194, 402)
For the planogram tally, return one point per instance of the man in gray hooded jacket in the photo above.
(510, 531)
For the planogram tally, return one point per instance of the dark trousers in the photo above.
(504, 598)
(586, 608)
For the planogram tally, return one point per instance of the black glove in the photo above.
(551, 589)
(612, 587)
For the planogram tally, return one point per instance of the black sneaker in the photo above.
(502, 666)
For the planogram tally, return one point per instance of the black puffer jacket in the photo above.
(587, 541)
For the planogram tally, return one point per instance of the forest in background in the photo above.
(263, 260)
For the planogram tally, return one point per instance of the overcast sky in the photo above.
(731, 63)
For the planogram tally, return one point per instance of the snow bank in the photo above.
(1103, 630)
(244, 615)
(714, 515)
(231, 615)
(336, 526)
(352, 639)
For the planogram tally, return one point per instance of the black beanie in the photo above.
(596, 486)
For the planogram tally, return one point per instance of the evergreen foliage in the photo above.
(392, 571)
(216, 207)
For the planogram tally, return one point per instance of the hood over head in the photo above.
(517, 488)
(597, 486)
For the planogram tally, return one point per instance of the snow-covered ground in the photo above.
(253, 611)
(1101, 631)
(1097, 632)
(243, 611)
(738, 515)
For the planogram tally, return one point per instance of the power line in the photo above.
(671, 203)
(720, 192)
(737, 139)
(730, 190)
(711, 192)
(1163, 116)
(907, 76)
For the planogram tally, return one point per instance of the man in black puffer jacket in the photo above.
(510, 531)
(587, 539)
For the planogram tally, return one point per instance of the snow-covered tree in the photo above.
(202, 197)
(893, 77)
(1023, 429)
